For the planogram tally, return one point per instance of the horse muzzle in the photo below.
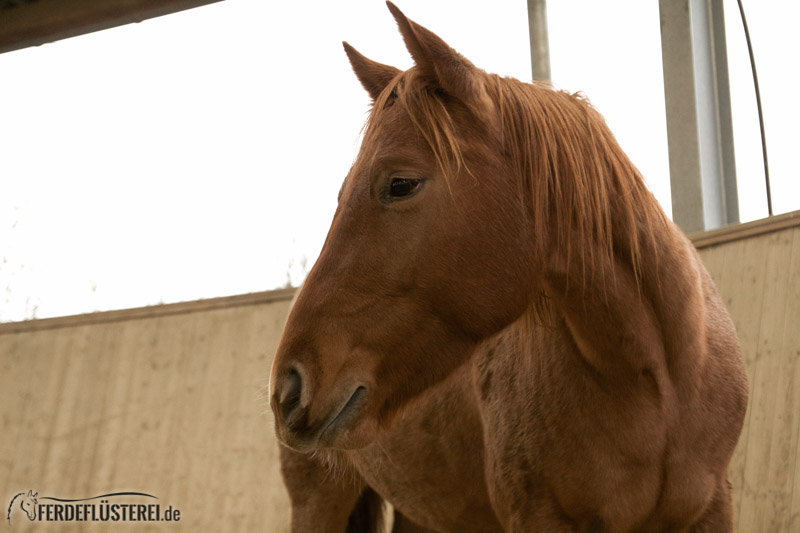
(295, 405)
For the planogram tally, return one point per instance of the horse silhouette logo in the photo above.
(27, 503)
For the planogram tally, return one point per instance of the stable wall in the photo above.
(756, 267)
(169, 400)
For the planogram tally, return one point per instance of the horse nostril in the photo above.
(290, 392)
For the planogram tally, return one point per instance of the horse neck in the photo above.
(631, 319)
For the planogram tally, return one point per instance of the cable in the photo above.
(758, 103)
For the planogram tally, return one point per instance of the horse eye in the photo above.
(402, 187)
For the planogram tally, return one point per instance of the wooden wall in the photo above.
(168, 400)
(758, 275)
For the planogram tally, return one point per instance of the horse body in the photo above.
(502, 329)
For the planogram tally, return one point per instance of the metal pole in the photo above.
(540, 47)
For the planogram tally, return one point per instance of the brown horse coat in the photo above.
(503, 332)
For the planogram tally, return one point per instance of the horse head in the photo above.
(28, 504)
(429, 252)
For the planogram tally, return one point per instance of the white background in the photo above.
(199, 154)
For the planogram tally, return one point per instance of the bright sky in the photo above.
(199, 154)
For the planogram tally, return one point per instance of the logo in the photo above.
(27, 503)
(113, 507)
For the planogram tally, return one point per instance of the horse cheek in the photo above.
(486, 281)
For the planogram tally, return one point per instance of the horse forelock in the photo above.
(427, 112)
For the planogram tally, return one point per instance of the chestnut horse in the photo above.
(503, 332)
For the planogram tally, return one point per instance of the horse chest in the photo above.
(430, 464)
(558, 435)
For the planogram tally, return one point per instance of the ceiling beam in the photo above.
(25, 23)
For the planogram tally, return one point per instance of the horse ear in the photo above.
(30, 493)
(373, 76)
(437, 60)
(36, 495)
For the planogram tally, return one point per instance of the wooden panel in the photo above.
(738, 232)
(743, 291)
(153, 311)
(172, 406)
(759, 280)
(762, 488)
(791, 342)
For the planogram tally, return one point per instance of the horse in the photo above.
(27, 504)
(503, 331)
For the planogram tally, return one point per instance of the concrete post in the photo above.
(540, 48)
(699, 129)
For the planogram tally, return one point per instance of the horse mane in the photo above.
(581, 189)
(578, 180)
